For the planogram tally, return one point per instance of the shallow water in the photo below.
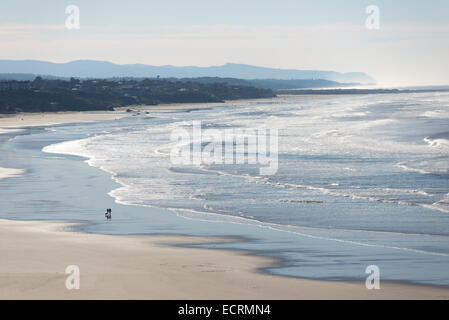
(361, 180)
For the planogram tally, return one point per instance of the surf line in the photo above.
(249, 145)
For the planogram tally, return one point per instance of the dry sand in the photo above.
(45, 119)
(10, 122)
(35, 256)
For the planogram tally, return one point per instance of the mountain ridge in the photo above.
(106, 69)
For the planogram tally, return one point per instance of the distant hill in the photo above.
(272, 84)
(26, 76)
(276, 84)
(103, 69)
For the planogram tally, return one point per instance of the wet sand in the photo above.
(35, 256)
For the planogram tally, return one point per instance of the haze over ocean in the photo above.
(409, 48)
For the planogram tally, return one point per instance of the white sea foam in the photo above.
(442, 144)
(10, 130)
(439, 114)
(431, 166)
(74, 148)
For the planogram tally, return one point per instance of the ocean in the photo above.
(361, 180)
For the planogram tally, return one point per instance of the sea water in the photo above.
(361, 180)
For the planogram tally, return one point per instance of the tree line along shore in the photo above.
(52, 95)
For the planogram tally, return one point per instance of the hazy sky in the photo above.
(411, 46)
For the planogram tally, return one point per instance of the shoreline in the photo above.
(157, 267)
(9, 122)
(10, 173)
(238, 274)
(179, 106)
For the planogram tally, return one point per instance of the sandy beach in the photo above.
(35, 256)
(9, 122)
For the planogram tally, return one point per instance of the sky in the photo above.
(410, 47)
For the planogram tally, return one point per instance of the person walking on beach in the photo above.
(108, 214)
